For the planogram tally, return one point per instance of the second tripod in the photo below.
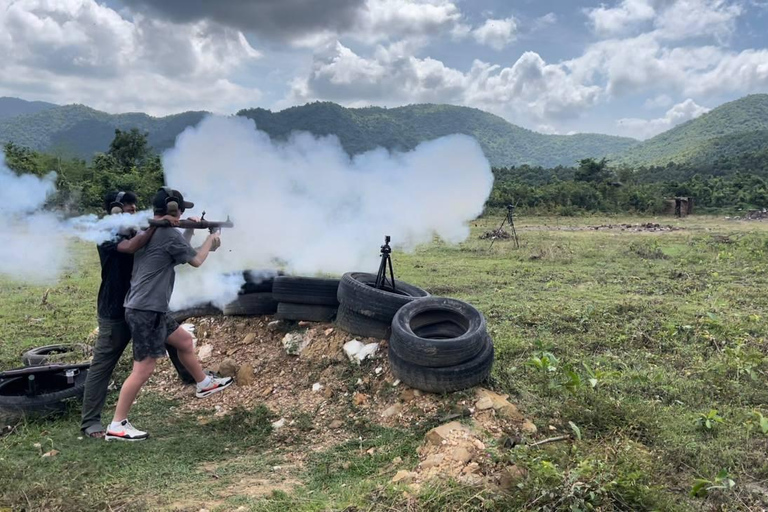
(510, 219)
(386, 264)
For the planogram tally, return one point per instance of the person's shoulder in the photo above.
(171, 235)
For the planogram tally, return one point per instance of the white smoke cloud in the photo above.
(35, 243)
(33, 250)
(306, 205)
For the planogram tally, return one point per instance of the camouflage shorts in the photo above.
(149, 330)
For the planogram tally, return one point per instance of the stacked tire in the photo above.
(440, 345)
(310, 299)
(255, 295)
(368, 311)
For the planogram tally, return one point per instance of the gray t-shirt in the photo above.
(153, 270)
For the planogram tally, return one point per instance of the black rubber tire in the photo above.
(252, 304)
(446, 379)
(306, 312)
(15, 404)
(262, 287)
(258, 276)
(194, 312)
(306, 290)
(438, 332)
(49, 354)
(357, 292)
(355, 323)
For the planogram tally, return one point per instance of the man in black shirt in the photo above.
(116, 257)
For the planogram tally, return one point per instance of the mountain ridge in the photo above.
(79, 130)
(735, 127)
(12, 107)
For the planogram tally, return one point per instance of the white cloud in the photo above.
(82, 51)
(684, 19)
(496, 33)
(646, 128)
(544, 21)
(530, 87)
(627, 16)
(395, 19)
(660, 101)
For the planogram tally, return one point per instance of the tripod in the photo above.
(510, 219)
(386, 263)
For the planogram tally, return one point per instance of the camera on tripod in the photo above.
(386, 249)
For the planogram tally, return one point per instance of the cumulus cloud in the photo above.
(82, 51)
(647, 128)
(626, 16)
(684, 19)
(496, 33)
(394, 76)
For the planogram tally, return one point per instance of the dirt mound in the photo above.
(648, 226)
(752, 215)
(461, 451)
(322, 391)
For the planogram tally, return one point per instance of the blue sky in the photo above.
(624, 67)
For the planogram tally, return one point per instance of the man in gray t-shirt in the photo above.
(154, 273)
(146, 312)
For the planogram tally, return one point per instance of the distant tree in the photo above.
(593, 171)
(129, 148)
(21, 160)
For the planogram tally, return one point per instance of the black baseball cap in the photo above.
(166, 195)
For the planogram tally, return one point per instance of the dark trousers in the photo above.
(114, 336)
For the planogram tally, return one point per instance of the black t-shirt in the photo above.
(116, 268)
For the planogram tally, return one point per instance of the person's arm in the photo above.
(131, 245)
(205, 249)
(189, 233)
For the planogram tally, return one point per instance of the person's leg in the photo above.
(181, 340)
(114, 336)
(142, 370)
(149, 334)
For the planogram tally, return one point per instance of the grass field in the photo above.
(652, 344)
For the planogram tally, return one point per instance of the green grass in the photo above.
(667, 325)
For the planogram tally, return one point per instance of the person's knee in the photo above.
(183, 342)
(143, 369)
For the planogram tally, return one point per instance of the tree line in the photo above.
(727, 183)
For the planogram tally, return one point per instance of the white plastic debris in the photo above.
(358, 352)
(378, 370)
(396, 383)
(316, 387)
(279, 423)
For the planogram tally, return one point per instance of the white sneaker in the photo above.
(126, 432)
(217, 384)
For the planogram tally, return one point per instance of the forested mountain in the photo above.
(733, 129)
(77, 130)
(12, 107)
(729, 130)
(362, 129)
